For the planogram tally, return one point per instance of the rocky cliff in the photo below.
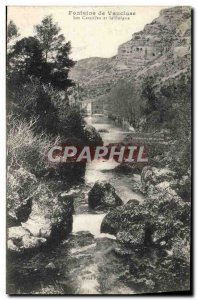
(162, 48)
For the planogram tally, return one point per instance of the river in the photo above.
(84, 263)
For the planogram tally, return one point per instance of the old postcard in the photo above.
(99, 150)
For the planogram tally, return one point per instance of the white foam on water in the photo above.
(88, 222)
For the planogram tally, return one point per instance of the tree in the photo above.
(55, 53)
(26, 57)
(156, 108)
(48, 35)
(178, 96)
(168, 106)
(61, 67)
(12, 31)
(148, 94)
(12, 34)
(123, 101)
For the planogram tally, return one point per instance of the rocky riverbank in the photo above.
(110, 238)
(46, 223)
(143, 246)
(40, 211)
(154, 236)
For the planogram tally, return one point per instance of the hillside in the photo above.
(162, 48)
(85, 67)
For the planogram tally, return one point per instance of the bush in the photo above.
(27, 161)
(33, 100)
(25, 148)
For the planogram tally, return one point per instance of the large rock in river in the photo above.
(91, 136)
(103, 196)
(156, 222)
(113, 221)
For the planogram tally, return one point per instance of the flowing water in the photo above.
(103, 170)
(84, 263)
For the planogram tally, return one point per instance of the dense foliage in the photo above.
(38, 113)
(124, 101)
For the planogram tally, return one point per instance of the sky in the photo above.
(89, 38)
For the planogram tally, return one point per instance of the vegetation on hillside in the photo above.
(38, 111)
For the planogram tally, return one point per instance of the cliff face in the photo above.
(158, 37)
(163, 47)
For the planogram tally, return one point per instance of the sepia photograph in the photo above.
(99, 150)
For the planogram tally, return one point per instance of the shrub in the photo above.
(25, 148)
(33, 100)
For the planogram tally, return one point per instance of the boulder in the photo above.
(103, 196)
(152, 223)
(32, 242)
(119, 218)
(50, 221)
(111, 222)
(91, 136)
(19, 202)
(154, 179)
(20, 239)
(71, 172)
(134, 236)
(38, 226)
